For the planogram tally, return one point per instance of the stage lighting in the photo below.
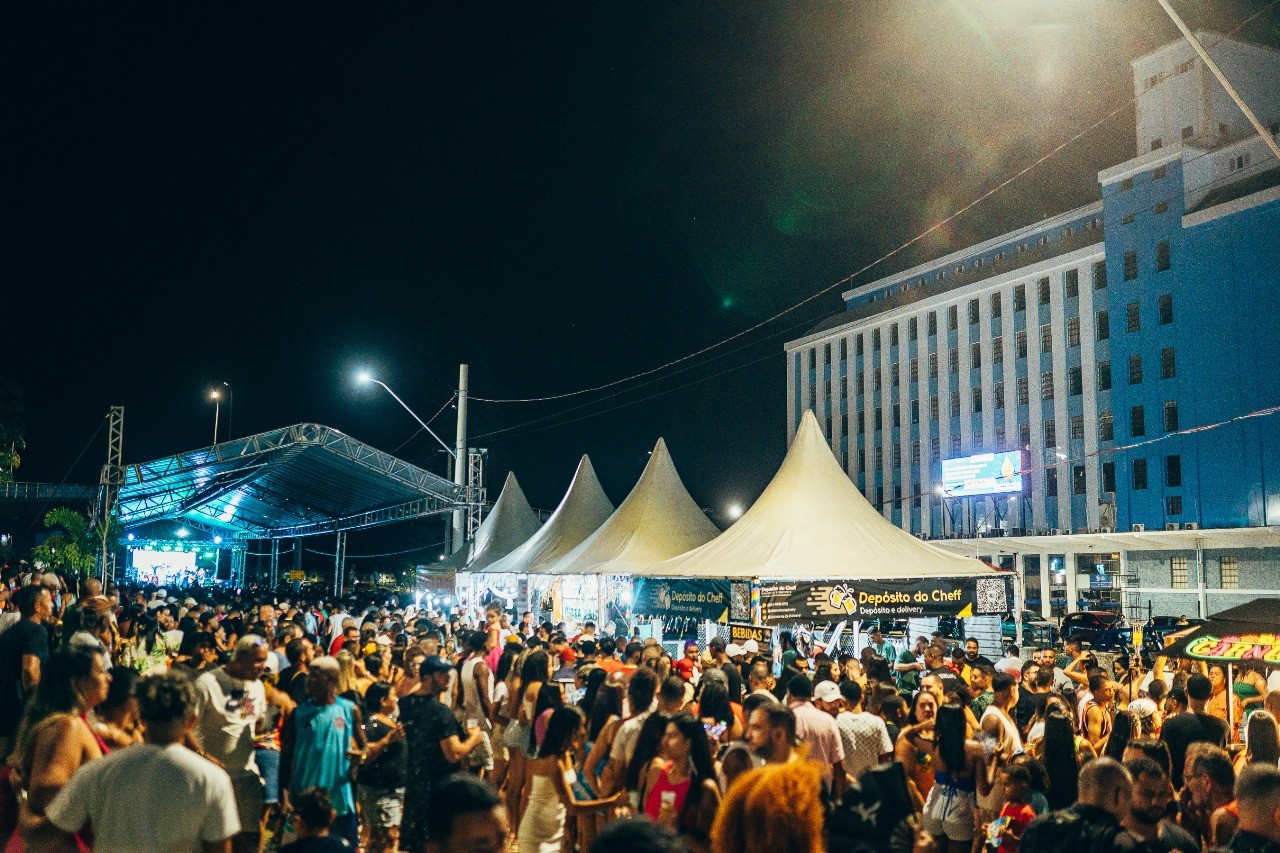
(217, 540)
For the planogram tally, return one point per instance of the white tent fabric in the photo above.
(811, 522)
(657, 520)
(508, 525)
(583, 509)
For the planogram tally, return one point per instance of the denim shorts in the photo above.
(381, 807)
(269, 766)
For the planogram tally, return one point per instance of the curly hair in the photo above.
(772, 808)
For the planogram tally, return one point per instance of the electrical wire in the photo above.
(430, 421)
(373, 556)
(886, 256)
(40, 515)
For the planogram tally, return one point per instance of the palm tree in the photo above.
(74, 545)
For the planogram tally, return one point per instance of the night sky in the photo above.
(560, 194)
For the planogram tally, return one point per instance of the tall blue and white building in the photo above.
(1093, 341)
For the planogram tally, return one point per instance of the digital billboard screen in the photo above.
(984, 474)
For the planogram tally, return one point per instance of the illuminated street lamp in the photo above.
(364, 377)
(734, 511)
(216, 396)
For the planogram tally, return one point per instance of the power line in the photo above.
(430, 421)
(373, 556)
(886, 256)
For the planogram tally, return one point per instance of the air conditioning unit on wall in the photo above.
(1172, 525)
(1191, 525)
(1137, 528)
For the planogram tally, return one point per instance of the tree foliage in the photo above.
(74, 544)
(12, 429)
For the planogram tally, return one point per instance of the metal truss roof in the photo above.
(296, 481)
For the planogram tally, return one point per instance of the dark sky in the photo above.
(560, 194)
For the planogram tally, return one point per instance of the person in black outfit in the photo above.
(1191, 726)
(467, 813)
(973, 656)
(381, 778)
(436, 743)
(1258, 798)
(24, 648)
(313, 814)
(1092, 825)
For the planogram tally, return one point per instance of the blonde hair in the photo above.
(772, 808)
(346, 672)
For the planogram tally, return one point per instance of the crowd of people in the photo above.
(143, 719)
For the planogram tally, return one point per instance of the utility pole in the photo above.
(458, 537)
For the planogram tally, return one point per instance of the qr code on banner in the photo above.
(991, 596)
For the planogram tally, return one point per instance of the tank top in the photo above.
(471, 706)
(677, 794)
(320, 757)
(1106, 718)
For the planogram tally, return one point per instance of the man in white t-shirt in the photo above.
(157, 796)
(865, 736)
(231, 701)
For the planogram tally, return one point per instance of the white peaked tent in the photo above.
(583, 509)
(509, 524)
(811, 522)
(657, 520)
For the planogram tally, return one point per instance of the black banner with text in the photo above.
(825, 601)
(688, 599)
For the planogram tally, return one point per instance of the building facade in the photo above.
(1107, 342)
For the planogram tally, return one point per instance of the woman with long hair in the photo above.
(535, 671)
(961, 771)
(552, 798)
(606, 719)
(1263, 738)
(648, 745)
(498, 703)
(716, 711)
(679, 789)
(116, 719)
(55, 739)
(914, 748)
(893, 710)
(348, 682)
(593, 677)
(1060, 756)
(550, 697)
(1123, 730)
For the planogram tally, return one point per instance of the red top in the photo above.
(676, 794)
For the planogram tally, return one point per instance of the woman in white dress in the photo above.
(551, 799)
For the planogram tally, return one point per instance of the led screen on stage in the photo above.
(984, 474)
(162, 566)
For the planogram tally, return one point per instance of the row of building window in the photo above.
(1228, 567)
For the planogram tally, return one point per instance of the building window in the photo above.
(1135, 370)
(1104, 376)
(857, 346)
(973, 311)
(997, 395)
(996, 306)
(893, 335)
(1178, 572)
(1126, 184)
(954, 407)
(1173, 505)
(1230, 567)
(1021, 340)
(975, 356)
(1075, 381)
(875, 381)
(1024, 393)
(933, 408)
(1020, 298)
(953, 321)
(915, 370)
(1077, 427)
(1163, 262)
(977, 401)
(999, 437)
(1106, 427)
(953, 360)
(1042, 291)
(1099, 275)
(876, 419)
(880, 498)
(879, 457)
(1078, 482)
(933, 365)
(1132, 319)
(1102, 322)
(1130, 265)
(861, 384)
(1051, 482)
(1046, 386)
(1024, 435)
(813, 359)
(912, 328)
(1073, 331)
(1071, 280)
(977, 438)
(875, 340)
(1139, 475)
(1046, 338)
(1173, 471)
(955, 444)
(1137, 422)
(935, 449)
(897, 456)
(914, 406)
(1108, 476)
(915, 453)
(1050, 434)
(1171, 416)
(897, 415)
(933, 324)
(1168, 363)
(894, 375)
(997, 350)
(1165, 307)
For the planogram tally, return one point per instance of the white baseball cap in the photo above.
(733, 650)
(827, 691)
(751, 647)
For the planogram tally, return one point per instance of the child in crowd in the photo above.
(1005, 832)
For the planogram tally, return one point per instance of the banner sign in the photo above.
(825, 601)
(1240, 647)
(674, 599)
(740, 601)
(739, 633)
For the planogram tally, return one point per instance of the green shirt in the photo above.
(908, 680)
(981, 701)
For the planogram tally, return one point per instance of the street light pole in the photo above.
(217, 406)
(460, 459)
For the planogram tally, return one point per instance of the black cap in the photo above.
(434, 664)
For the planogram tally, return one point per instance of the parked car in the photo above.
(1101, 629)
(1036, 630)
(1155, 629)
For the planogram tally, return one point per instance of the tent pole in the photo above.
(1018, 597)
(1231, 721)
